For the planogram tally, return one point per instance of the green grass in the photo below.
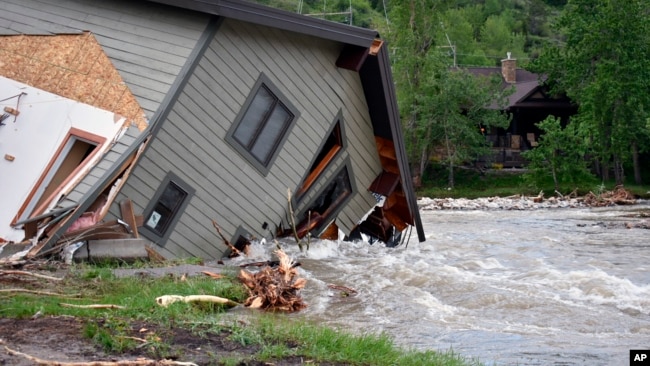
(276, 336)
(507, 182)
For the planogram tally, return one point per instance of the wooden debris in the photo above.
(213, 275)
(345, 291)
(153, 255)
(126, 209)
(10, 290)
(92, 306)
(234, 252)
(24, 273)
(137, 362)
(274, 289)
(165, 300)
(618, 196)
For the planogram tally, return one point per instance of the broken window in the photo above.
(327, 203)
(263, 124)
(165, 208)
(328, 151)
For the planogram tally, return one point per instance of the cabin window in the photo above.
(330, 148)
(263, 125)
(165, 208)
(328, 202)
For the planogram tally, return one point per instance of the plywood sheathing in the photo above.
(72, 66)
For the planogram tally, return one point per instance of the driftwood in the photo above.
(234, 252)
(138, 362)
(92, 306)
(213, 275)
(165, 300)
(618, 196)
(37, 292)
(345, 291)
(274, 289)
(266, 263)
(25, 273)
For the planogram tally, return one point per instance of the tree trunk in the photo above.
(636, 164)
(619, 175)
(451, 174)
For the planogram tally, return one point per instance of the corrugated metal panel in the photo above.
(147, 43)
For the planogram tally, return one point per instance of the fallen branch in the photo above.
(293, 220)
(92, 306)
(235, 251)
(165, 300)
(138, 362)
(37, 292)
(213, 275)
(25, 273)
(346, 291)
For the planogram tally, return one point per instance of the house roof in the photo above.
(382, 101)
(526, 82)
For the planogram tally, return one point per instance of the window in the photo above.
(164, 209)
(328, 151)
(263, 125)
(329, 201)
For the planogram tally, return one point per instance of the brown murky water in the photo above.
(541, 287)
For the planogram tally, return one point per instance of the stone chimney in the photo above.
(509, 69)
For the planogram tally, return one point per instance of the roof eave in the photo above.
(267, 16)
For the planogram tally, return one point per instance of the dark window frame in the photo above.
(157, 236)
(311, 177)
(333, 211)
(245, 148)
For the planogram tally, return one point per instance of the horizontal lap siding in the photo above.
(228, 189)
(146, 42)
(361, 148)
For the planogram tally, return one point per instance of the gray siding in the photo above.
(228, 189)
(147, 43)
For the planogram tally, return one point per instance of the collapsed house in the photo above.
(250, 111)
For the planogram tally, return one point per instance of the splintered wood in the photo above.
(619, 196)
(275, 289)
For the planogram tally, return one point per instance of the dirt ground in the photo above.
(60, 339)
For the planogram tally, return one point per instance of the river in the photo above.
(535, 287)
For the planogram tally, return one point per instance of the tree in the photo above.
(413, 30)
(559, 155)
(456, 108)
(602, 66)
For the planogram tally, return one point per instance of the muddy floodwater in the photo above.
(535, 287)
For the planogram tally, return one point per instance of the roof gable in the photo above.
(73, 66)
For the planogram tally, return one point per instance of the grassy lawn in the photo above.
(508, 182)
(137, 327)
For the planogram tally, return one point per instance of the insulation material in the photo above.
(73, 66)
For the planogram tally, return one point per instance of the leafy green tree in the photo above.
(498, 39)
(455, 107)
(414, 28)
(603, 67)
(559, 155)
